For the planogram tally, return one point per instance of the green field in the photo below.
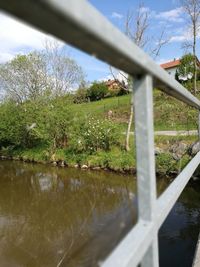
(169, 113)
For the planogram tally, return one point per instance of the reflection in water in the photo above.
(61, 217)
(178, 236)
(66, 217)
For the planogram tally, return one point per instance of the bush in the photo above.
(94, 134)
(97, 91)
(34, 123)
(81, 96)
(11, 124)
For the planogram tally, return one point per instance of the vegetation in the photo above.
(185, 73)
(96, 91)
(42, 120)
(192, 10)
(56, 129)
(46, 73)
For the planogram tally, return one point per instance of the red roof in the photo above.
(170, 64)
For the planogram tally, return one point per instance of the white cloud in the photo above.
(179, 38)
(4, 56)
(145, 9)
(16, 36)
(183, 34)
(173, 15)
(116, 15)
(106, 78)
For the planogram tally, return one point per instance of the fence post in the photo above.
(146, 178)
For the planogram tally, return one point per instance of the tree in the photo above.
(64, 73)
(136, 28)
(49, 72)
(80, 95)
(185, 70)
(137, 25)
(192, 9)
(24, 77)
(97, 91)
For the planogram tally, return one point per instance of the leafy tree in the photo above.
(97, 91)
(80, 95)
(24, 77)
(37, 74)
(185, 70)
(11, 124)
(192, 9)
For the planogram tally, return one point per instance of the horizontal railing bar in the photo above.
(80, 24)
(132, 248)
(168, 198)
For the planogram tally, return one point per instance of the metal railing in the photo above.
(80, 24)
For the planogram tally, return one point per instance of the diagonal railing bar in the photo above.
(168, 198)
(80, 24)
(131, 249)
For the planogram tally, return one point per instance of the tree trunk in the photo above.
(195, 61)
(127, 146)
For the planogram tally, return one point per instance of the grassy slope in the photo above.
(170, 114)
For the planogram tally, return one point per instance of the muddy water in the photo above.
(57, 217)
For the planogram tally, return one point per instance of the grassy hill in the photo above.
(169, 113)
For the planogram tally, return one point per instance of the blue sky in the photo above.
(16, 38)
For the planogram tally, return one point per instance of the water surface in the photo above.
(67, 217)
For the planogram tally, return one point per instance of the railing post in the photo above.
(146, 178)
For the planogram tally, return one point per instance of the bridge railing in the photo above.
(80, 24)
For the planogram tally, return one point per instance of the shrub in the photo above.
(94, 134)
(97, 91)
(81, 96)
(11, 124)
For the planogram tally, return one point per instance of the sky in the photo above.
(168, 15)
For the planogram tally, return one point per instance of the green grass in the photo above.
(169, 113)
(117, 159)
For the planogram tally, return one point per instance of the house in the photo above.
(172, 66)
(115, 84)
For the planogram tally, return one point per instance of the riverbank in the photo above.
(172, 155)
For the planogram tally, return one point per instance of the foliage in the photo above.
(80, 95)
(185, 70)
(94, 134)
(30, 76)
(164, 162)
(58, 124)
(33, 123)
(24, 77)
(11, 125)
(97, 91)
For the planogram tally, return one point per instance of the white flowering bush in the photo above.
(95, 134)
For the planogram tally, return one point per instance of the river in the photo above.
(56, 217)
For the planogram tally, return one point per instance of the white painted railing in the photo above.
(80, 24)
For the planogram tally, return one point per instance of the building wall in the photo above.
(172, 71)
